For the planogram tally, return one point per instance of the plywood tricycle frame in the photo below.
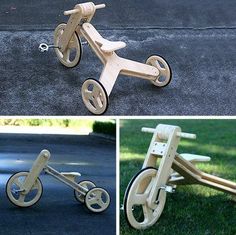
(95, 93)
(24, 189)
(146, 192)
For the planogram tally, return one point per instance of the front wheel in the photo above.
(15, 190)
(137, 212)
(71, 56)
(165, 73)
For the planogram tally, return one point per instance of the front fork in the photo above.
(35, 170)
(85, 13)
(69, 30)
(164, 171)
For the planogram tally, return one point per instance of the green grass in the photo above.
(107, 128)
(192, 209)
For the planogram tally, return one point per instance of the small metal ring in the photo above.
(43, 47)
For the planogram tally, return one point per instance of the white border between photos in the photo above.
(117, 176)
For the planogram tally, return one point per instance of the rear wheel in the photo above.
(165, 73)
(94, 96)
(97, 200)
(85, 184)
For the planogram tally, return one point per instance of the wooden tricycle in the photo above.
(145, 195)
(24, 189)
(68, 48)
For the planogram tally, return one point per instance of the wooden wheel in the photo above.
(85, 184)
(15, 190)
(72, 54)
(165, 74)
(137, 212)
(97, 200)
(94, 96)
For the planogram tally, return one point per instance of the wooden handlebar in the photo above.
(70, 12)
(100, 6)
(179, 134)
(74, 11)
(186, 135)
(148, 130)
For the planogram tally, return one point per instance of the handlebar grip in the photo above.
(179, 134)
(148, 130)
(70, 12)
(186, 135)
(100, 6)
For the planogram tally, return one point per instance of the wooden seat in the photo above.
(105, 45)
(71, 173)
(108, 46)
(195, 158)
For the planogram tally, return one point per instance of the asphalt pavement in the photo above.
(58, 212)
(197, 38)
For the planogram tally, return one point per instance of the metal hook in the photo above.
(43, 47)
